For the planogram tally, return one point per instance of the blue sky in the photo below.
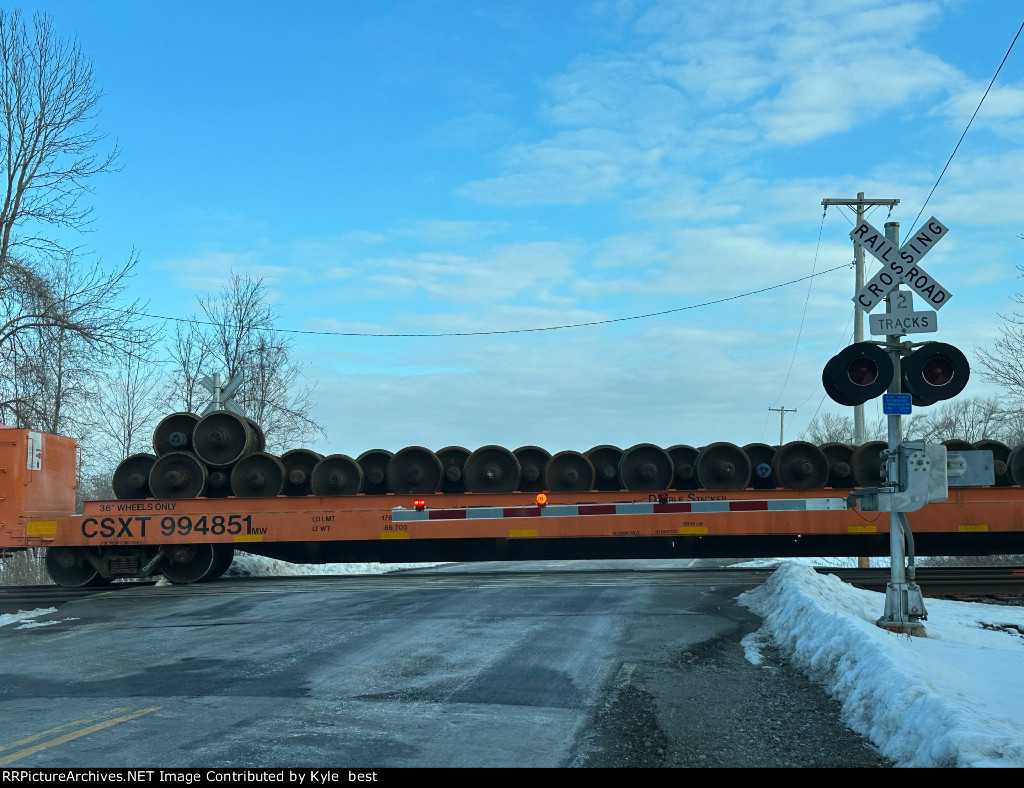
(441, 167)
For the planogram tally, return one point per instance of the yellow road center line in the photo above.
(59, 728)
(15, 756)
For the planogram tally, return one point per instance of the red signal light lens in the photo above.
(420, 504)
(938, 370)
(862, 371)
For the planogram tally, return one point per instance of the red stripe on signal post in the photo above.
(597, 508)
(748, 506)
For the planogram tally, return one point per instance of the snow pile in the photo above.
(952, 698)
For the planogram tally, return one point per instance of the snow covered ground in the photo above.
(954, 698)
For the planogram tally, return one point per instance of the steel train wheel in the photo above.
(188, 563)
(1015, 465)
(258, 475)
(605, 460)
(723, 466)
(374, 464)
(799, 465)
(336, 474)
(453, 460)
(174, 433)
(492, 469)
(222, 438)
(70, 567)
(646, 467)
(178, 475)
(867, 464)
(1000, 458)
(684, 466)
(259, 440)
(218, 482)
(298, 468)
(532, 462)
(569, 471)
(840, 471)
(414, 470)
(223, 555)
(761, 456)
(131, 477)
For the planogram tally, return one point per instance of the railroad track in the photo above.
(991, 585)
(994, 585)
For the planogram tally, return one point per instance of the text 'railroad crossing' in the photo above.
(900, 265)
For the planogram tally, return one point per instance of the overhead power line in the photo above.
(305, 332)
(976, 109)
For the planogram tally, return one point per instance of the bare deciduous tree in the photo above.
(49, 98)
(236, 335)
(129, 407)
(59, 316)
(829, 428)
(1005, 363)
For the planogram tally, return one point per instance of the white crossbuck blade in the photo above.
(900, 265)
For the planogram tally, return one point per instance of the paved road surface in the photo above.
(545, 664)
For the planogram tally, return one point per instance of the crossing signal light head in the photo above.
(935, 371)
(857, 373)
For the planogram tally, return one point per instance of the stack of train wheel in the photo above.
(223, 454)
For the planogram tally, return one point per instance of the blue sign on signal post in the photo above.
(896, 404)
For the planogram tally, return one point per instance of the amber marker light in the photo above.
(541, 499)
(420, 504)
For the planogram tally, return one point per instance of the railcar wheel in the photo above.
(1015, 465)
(174, 433)
(532, 462)
(131, 477)
(259, 440)
(259, 475)
(761, 456)
(222, 438)
(298, 470)
(336, 474)
(414, 470)
(178, 475)
(800, 465)
(646, 467)
(867, 464)
(569, 471)
(218, 482)
(840, 471)
(453, 460)
(374, 464)
(492, 469)
(188, 563)
(1000, 459)
(723, 466)
(223, 555)
(605, 460)
(684, 466)
(70, 567)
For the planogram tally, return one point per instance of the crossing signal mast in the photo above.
(905, 374)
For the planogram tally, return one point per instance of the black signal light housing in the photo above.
(935, 371)
(857, 373)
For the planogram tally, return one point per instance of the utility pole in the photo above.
(858, 314)
(782, 422)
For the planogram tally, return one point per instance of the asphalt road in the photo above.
(547, 664)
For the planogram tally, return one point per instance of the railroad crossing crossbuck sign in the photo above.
(900, 265)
